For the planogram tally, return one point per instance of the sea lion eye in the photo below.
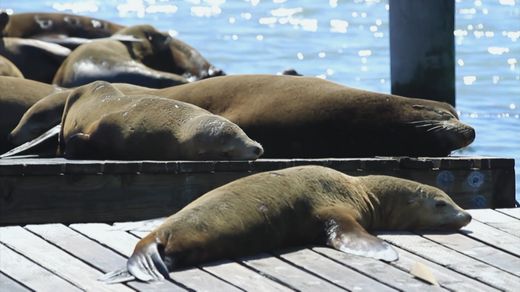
(440, 204)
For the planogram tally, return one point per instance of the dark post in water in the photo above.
(422, 49)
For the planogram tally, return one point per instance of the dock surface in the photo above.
(483, 256)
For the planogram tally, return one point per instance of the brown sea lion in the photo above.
(37, 60)
(48, 111)
(100, 122)
(295, 206)
(169, 54)
(16, 96)
(310, 117)
(157, 60)
(55, 25)
(7, 68)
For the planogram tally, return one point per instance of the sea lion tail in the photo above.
(146, 263)
(117, 276)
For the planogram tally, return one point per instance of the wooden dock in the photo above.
(484, 256)
(57, 190)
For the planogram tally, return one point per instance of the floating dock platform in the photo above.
(483, 256)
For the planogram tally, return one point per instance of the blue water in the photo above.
(343, 41)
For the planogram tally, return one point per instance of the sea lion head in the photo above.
(409, 205)
(440, 122)
(163, 52)
(216, 137)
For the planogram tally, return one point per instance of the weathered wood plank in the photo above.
(498, 220)
(124, 243)
(513, 212)
(8, 284)
(453, 260)
(31, 274)
(492, 236)
(478, 250)
(243, 277)
(447, 278)
(92, 253)
(295, 278)
(119, 241)
(55, 259)
(333, 271)
(375, 269)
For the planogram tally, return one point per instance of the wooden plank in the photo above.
(288, 274)
(498, 220)
(124, 243)
(31, 274)
(513, 212)
(479, 251)
(492, 236)
(377, 270)
(55, 259)
(454, 260)
(447, 278)
(331, 270)
(93, 253)
(8, 284)
(243, 277)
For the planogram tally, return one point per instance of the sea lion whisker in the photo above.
(435, 128)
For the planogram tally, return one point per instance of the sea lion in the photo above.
(37, 60)
(55, 25)
(16, 96)
(290, 207)
(7, 68)
(157, 60)
(100, 122)
(310, 117)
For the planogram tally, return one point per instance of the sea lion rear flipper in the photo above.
(344, 233)
(27, 146)
(146, 263)
(117, 276)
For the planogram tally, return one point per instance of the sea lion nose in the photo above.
(471, 135)
(465, 218)
(258, 150)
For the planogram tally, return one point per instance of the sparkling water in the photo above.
(342, 41)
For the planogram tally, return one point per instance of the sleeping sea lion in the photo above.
(16, 96)
(290, 207)
(56, 26)
(37, 60)
(100, 122)
(157, 60)
(310, 117)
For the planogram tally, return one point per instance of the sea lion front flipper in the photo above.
(344, 233)
(146, 263)
(117, 276)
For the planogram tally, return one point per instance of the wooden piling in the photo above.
(422, 49)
